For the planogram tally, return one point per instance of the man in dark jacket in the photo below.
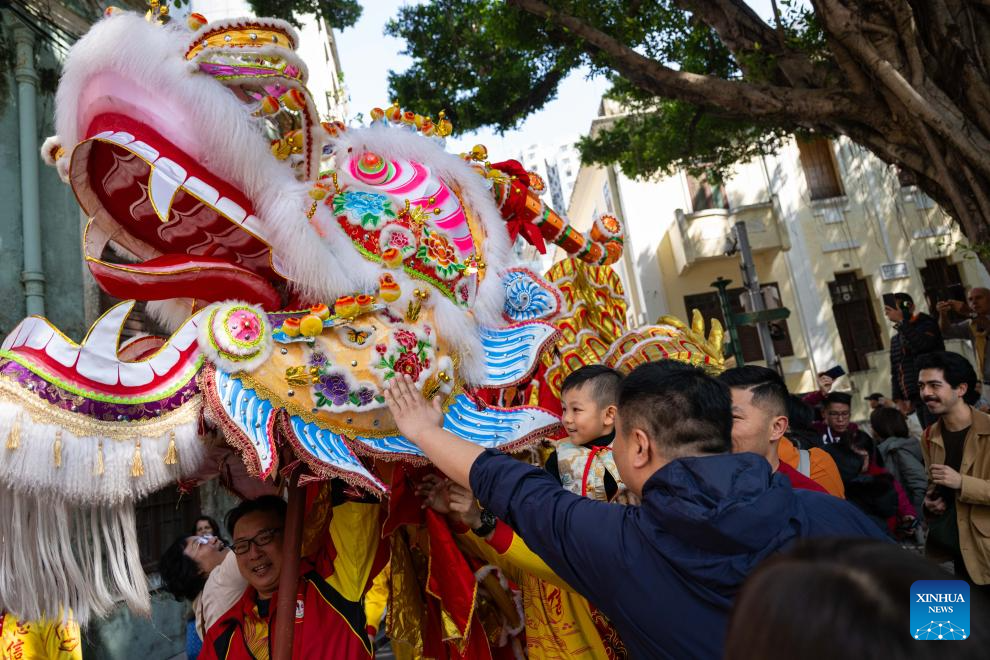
(917, 334)
(664, 572)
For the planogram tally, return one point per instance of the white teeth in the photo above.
(204, 191)
(121, 138)
(161, 189)
(231, 210)
(143, 150)
(253, 224)
(171, 168)
(104, 134)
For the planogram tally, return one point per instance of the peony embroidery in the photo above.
(369, 210)
(437, 250)
(408, 352)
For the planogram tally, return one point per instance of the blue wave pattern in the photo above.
(511, 353)
(493, 427)
(330, 449)
(250, 413)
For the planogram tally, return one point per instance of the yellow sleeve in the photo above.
(376, 599)
(355, 531)
(509, 552)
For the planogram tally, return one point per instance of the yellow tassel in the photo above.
(14, 437)
(172, 455)
(137, 465)
(58, 449)
(99, 460)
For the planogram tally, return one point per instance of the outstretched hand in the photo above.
(415, 417)
(435, 493)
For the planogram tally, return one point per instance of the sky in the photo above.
(366, 56)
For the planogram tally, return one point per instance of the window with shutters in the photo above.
(820, 170)
(706, 193)
(852, 307)
(161, 518)
(942, 281)
(707, 303)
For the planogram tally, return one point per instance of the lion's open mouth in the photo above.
(196, 236)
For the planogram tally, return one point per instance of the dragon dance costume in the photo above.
(299, 265)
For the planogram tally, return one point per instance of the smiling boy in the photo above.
(583, 464)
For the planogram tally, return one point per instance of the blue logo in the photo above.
(940, 610)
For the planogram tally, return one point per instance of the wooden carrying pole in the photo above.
(285, 613)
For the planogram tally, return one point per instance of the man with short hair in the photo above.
(664, 572)
(759, 422)
(916, 334)
(974, 329)
(957, 455)
(837, 412)
(329, 616)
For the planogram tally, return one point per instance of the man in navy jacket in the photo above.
(664, 572)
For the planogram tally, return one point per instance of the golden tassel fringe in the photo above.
(172, 455)
(137, 465)
(99, 460)
(58, 449)
(14, 437)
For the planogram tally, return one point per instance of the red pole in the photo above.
(285, 613)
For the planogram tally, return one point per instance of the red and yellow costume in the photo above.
(330, 620)
(559, 623)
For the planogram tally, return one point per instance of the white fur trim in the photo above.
(30, 468)
(459, 330)
(171, 313)
(238, 358)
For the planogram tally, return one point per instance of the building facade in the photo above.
(832, 229)
(558, 165)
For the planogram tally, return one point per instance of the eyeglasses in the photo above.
(838, 414)
(262, 538)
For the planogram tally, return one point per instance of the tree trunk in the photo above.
(907, 79)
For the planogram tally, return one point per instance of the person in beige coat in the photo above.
(957, 458)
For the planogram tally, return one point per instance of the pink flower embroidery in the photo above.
(406, 339)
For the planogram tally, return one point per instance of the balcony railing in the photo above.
(704, 235)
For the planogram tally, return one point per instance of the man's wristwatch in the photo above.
(488, 522)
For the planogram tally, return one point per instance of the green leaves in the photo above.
(338, 14)
(489, 63)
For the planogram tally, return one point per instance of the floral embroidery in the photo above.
(405, 338)
(408, 352)
(436, 249)
(336, 390)
(369, 210)
(396, 236)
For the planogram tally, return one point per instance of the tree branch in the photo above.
(742, 31)
(946, 120)
(731, 97)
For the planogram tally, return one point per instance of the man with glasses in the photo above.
(329, 616)
(837, 412)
